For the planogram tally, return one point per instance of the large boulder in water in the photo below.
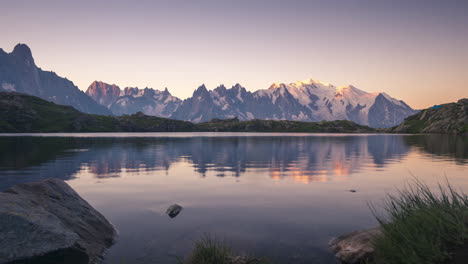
(355, 247)
(48, 222)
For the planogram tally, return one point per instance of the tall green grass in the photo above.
(209, 250)
(420, 226)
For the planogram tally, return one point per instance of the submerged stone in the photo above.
(173, 210)
(48, 222)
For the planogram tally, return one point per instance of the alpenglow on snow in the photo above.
(308, 100)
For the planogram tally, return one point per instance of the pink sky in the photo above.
(414, 51)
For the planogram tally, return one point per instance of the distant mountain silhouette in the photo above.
(19, 73)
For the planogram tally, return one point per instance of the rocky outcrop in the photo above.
(387, 112)
(103, 93)
(356, 247)
(449, 118)
(132, 99)
(48, 222)
(19, 73)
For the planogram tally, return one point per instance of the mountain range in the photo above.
(22, 113)
(308, 100)
(131, 100)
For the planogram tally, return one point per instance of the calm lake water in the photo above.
(283, 196)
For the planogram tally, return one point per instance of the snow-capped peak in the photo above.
(353, 91)
(307, 100)
(303, 83)
(276, 85)
(309, 82)
(393, 100)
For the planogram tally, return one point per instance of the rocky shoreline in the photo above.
(451, 118)
(48, 222)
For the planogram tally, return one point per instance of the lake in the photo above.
(280, 196)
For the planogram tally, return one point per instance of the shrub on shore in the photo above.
(421, 227)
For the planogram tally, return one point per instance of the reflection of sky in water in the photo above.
(246, 189)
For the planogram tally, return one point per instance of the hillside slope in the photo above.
(21, 113)
(256, 125)
(449, 118)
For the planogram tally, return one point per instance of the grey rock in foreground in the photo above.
(355, 247)
(48, 222)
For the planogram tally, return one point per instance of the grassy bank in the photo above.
(421, 227)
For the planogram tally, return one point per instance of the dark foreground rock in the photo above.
(48, 222)
(355, 247)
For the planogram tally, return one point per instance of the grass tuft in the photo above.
(421, 227)
(209, 250)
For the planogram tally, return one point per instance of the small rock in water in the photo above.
(352, 190)
(173, 210)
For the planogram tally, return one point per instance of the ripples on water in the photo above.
(276, 195)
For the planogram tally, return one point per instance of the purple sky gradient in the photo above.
(413, 50)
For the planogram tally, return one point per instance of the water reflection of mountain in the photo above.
(304, 159)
